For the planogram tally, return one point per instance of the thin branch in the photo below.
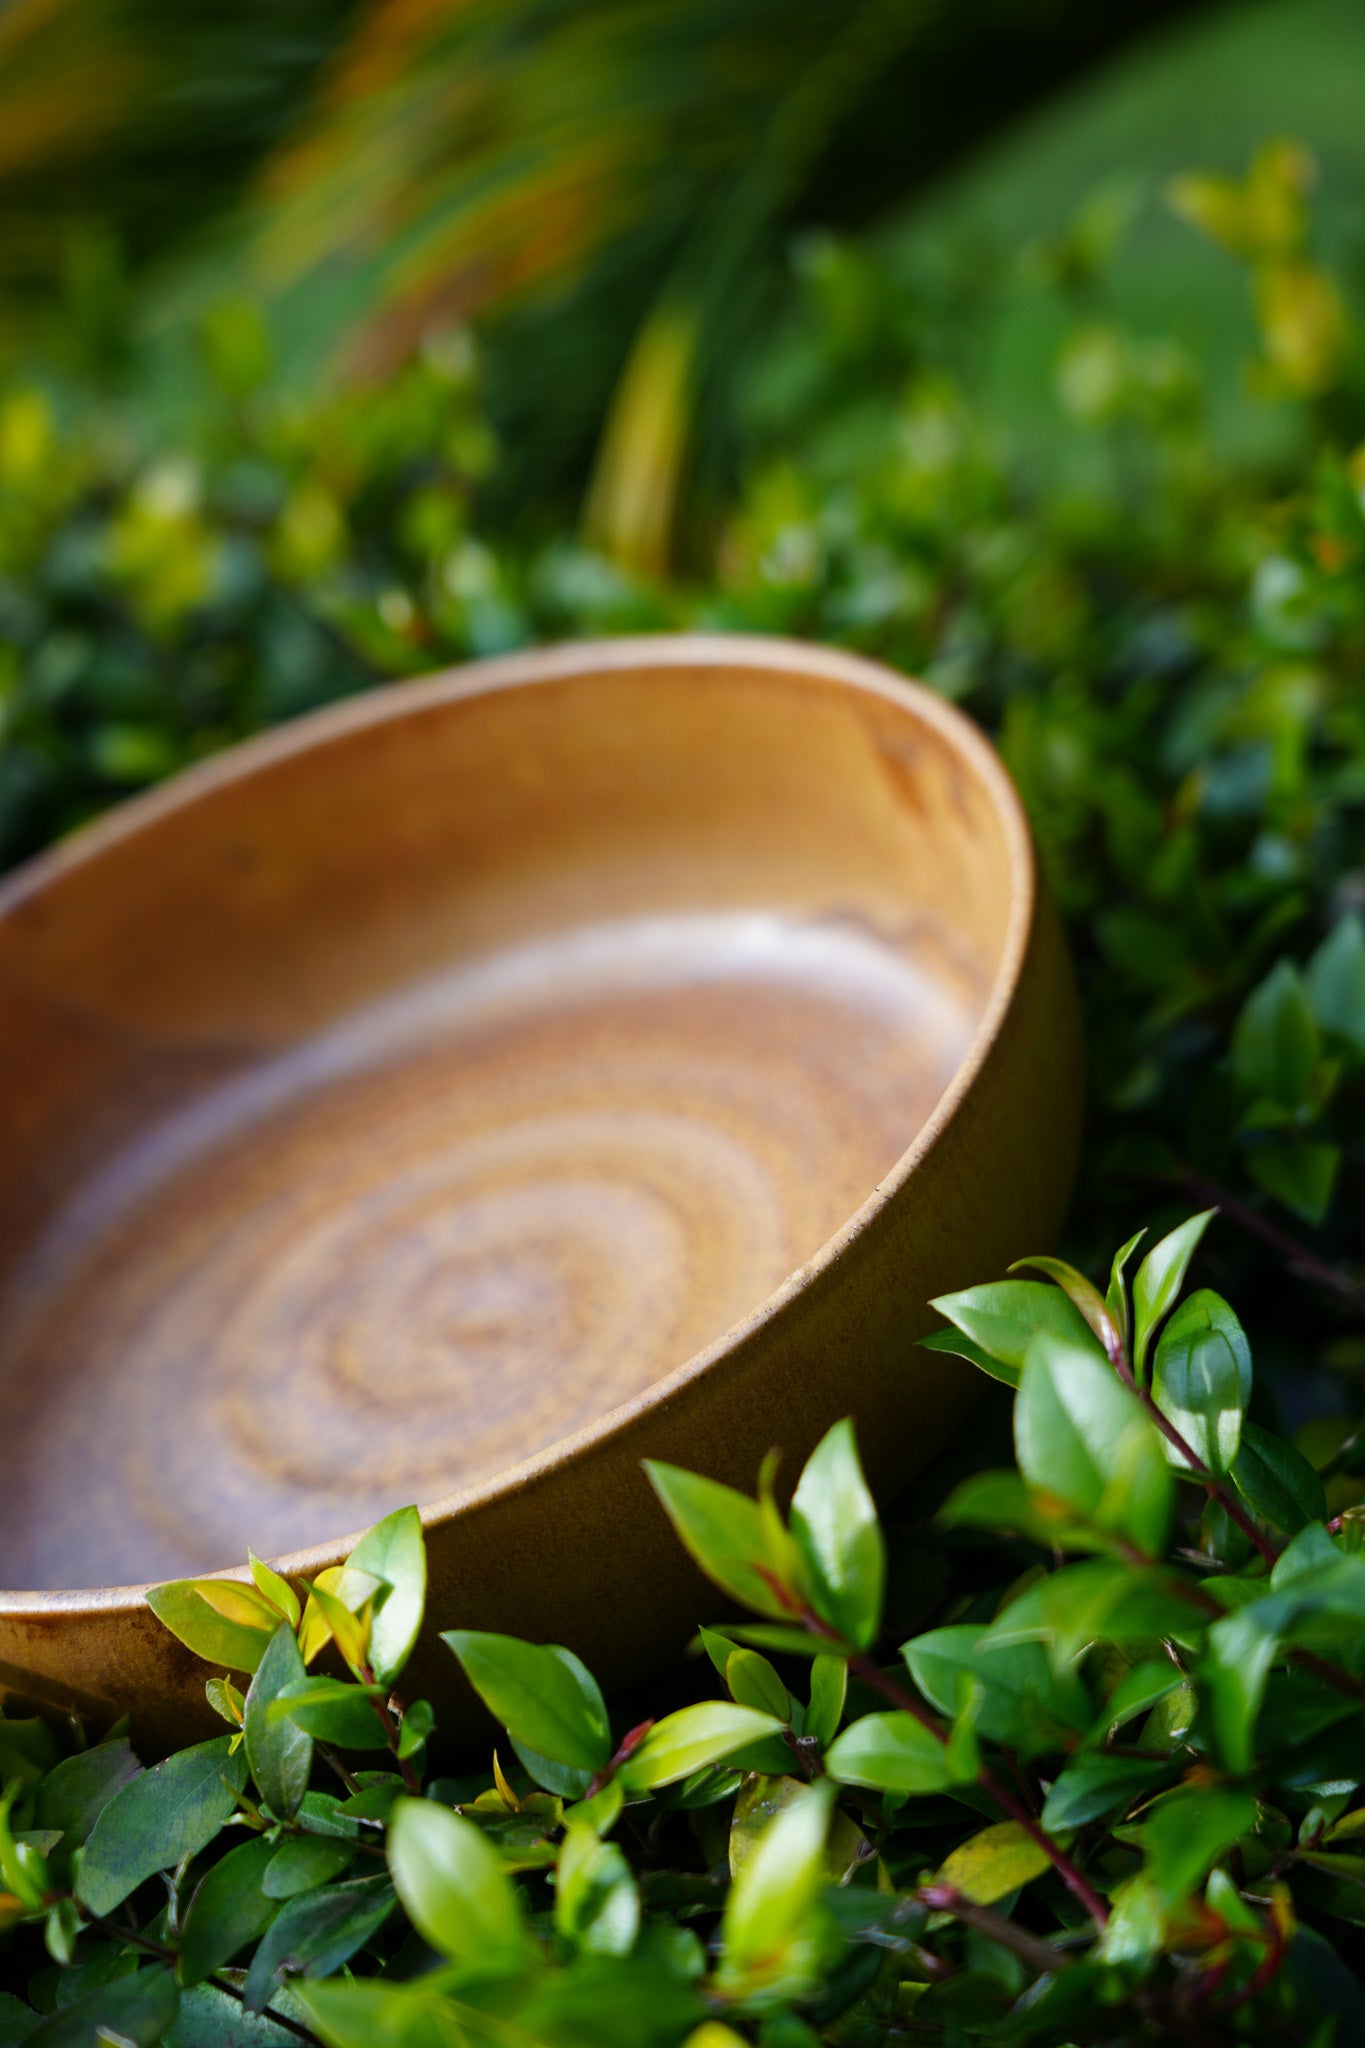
(1291, 1251)
(1039, 1955)
(1198, 1471)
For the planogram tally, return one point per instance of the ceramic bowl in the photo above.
(473, 1089)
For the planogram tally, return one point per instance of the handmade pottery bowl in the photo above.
(471, 1090)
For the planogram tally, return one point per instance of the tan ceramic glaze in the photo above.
(463, 1094)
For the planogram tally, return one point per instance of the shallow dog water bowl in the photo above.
(466, 1092)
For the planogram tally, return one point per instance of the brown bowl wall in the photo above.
(251, 902)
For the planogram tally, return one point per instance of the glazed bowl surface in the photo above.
(473, 1089)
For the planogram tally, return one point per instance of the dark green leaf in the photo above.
(303, 1862)
(1300, 1172)
(156, 1819)
(1188, 1831)
(542, 1695)
(315, 1934)
(839, 1539)
(228, 1910)
(280, 1752)
(76, 1791)
(138, 2008)
(1277, 1480)
(1275, 1044)
(1096, 1786)
(1335, 983)
(332, 1710)
(210, 2018)
(1019, 1699)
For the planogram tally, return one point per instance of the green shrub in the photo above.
(1107, 1799)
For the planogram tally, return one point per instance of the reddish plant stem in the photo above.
(392, 1725)
(1074, 1879)
(1289, 1248)
(942, 1898)
(1198, 1471)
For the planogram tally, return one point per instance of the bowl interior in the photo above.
(413, 1088)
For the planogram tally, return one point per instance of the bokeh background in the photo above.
(1014, 341)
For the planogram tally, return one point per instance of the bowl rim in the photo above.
(762, 654)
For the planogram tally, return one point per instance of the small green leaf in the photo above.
(597, 1904)
(302, 1862)
(828, 1690)
(1003, 1317)
(453, 1886)
(1275, 1041)
(157, 1818)
(1335, 983)
(331, 1710)
(1116, 1299)
(957, 1346)
(772, 1898)
(1083, 1295)
(1201, 1380)
(691, 1739)
(1159, 1280)
(221, 1621)
(1019, 1699)
(1083, 1437)
(997, 1860)
(315, 1934)
(1238, 1656)
(889, 1753)
(1300, 1172)
(137, 2009)
(395, 1551)
(839, 1538)
(725, 1534)
(1277, 1480)
(228, 1911)
(276, 1590)
(541, 1694)
(280, 1752)
(1096, 1786)
(1188, 1831)
(754, 1683)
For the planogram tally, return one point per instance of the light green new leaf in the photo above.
(1236, 1665)
(228, 1910)
(1188, 1831)
(1001, 1501)
(276, 1590)
(542, 1695)
(1083, 1294)
(597, 1903)
(395, 1551)
(726, 1534)
(1116, 1298)
(1085, 1438)
(156, 1819)
(839, 1538)
(1158, 1282)
(1201, 1380)
(691, 1739)
(453, 1886)
(997, 1860)
(279, 1751)
(771, 1899)
(221, 1621)
(1003, 1317)
(889, 1753)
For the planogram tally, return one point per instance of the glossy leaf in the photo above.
(771, 1899)
(889, 1753)
(597, 1904)
(279, 1751)
(167, 1813)
(313, 1935)
(453, 1886)
(331, 1710)
(542, 1695)
(1081, 1436)
(724, 1532)
(754, 1683)
(1082, 1294)
(1201, 1380)
(222, 1622)
(137, 2009)
(1003, 1317)
(828, 1691)
(1159, 1279)
(1098, 1786)
(692, 1738)
(303, 1862)
(839, 1539)
(1277, 1480)
(395, 1552)
(1188, 1831)
(1018, 1698)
